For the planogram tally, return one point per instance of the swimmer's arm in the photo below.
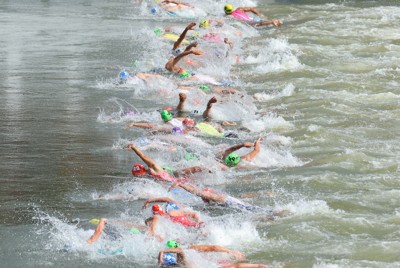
(192, 214)
(252, 10)
(192, 45)
(250, 156)
(183, 35)
(149, 162)
(161, 199)
(234, 148)
(189, 170)
(97, 232)
(142, 125)
(214, 248)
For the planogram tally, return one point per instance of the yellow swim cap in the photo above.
(204, 24)
(228, 9)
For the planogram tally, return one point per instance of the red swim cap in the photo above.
(138, 170)
(157, 209)
(188, 122)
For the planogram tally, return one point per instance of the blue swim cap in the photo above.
(171, 206)
(153, 10)
(169, 259)
(124, 75)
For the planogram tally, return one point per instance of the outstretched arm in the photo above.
(214, 248)
(161, 199)
(206, 113)
(142, 125)
(250, 156)
(206, 196)
(149, 162)
(252, 10)
(233, 148)
(183, 35)
(97, 232)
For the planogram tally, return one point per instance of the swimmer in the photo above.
(175, 5)
(111, 232)
(231, 159)
(177, 49)
(183, 217)
(171, 64)
(167, 257)
(168, 119)
(240, 13)
(157, 172)
(210, 196)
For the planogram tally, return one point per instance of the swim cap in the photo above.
(190, 156)
(138, 170)
(177, 51)
(171, 206)
(204, 24)
(157, 31)
(166, 115)
(172, 244)
(228, 9)
(177, 130)
(184, 74)
(232, 159)
(188, 122)
(157, 209)
(168, 169)
(124, 75)
(204, 88)
(169, 259)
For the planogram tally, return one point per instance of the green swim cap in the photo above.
(232, 159)
(205, 88)
(184, 74)
(172, 244)
(166, 115)
(190, 156)
(157, 31)
(168, 169)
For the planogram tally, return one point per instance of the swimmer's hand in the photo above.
(191, 26)
(197, 52)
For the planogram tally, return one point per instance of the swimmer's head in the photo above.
(176, 52)
(187, 122)
(157, 209)
(184, 74)
(204, 88)
(232, 159)
(228, 8)
(138, 170)
(169, 259)
(123, 75)
(191, 156)
(166, 115)
(172, 244)
(168, 169)
(204, 24)
(177, 130)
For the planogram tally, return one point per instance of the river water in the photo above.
(326, 84)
